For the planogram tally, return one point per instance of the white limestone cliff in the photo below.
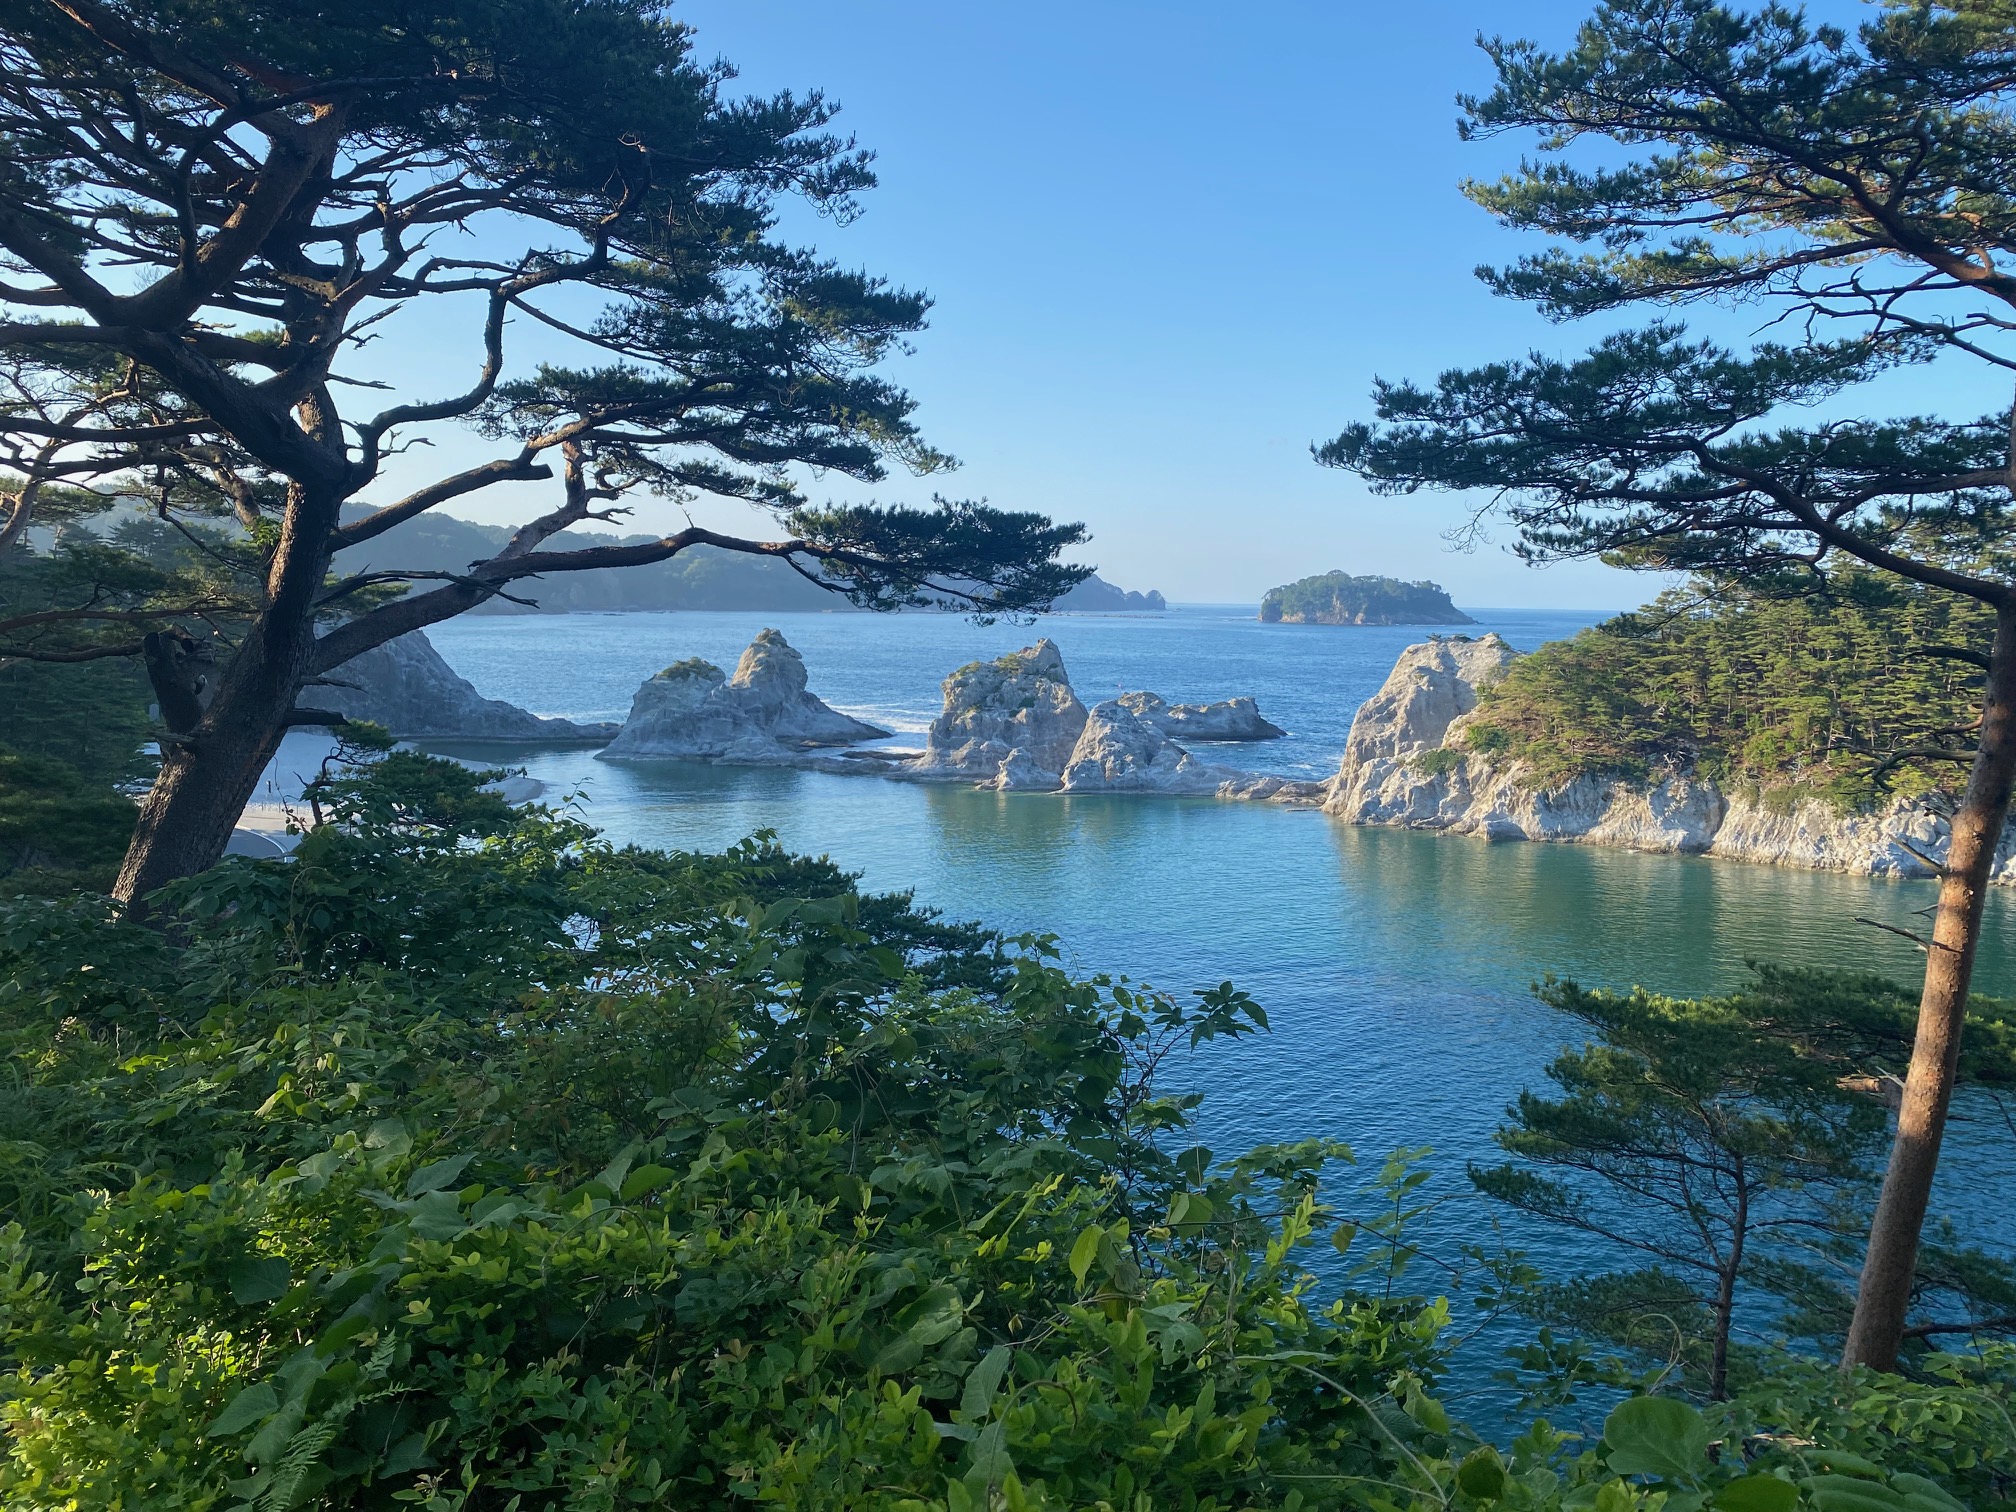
(1406, 764)
(1228, 719)
(1013, 722)
(763, 715)
(1119, 751)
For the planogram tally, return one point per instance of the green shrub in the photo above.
(1438, 762)
(466, 1159)
(468, 1162)
(57, 832)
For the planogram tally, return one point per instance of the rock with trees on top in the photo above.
(1018, 710)
(764, 714)
(1120, 751)
(1338, 598)
(1015, 723)
(1447, 744)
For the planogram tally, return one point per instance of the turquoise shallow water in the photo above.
(1394, 965)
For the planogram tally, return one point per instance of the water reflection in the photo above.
(1507, 912)
(1395, 966)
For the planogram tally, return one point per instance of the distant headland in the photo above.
(1338, 598)
(699, 578)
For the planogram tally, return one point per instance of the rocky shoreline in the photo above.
(1406, 766)
(1015, 724)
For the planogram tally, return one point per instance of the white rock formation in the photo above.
(1121, 752)
(1424, 707)
(1228, 719)
(1431, 686)
(1266, 787)
(1013, 722)
(405, 686)
(763, 714)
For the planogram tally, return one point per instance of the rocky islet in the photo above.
(407, 687)
(765, 714)
(1015, 724)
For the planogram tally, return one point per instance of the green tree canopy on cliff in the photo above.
(1826, 696)
(1853, 183)
(208, 209)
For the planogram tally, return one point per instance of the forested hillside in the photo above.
(1821, 696)
(700, 578)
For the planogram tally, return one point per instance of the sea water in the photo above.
(1395, 966)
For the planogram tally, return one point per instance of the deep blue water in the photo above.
(1395, 966)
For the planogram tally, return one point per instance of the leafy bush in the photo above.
(58, 833)
(465, 1158)
(468, 1162)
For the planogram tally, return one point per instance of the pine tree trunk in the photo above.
(189, 813)
(1884, 1296)
(211, 771)
(1725, 1289)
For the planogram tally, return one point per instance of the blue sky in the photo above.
(1171, 245)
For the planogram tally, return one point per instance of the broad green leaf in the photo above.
(1917, 1485)
(270, 1440)
(259, 1278)
(978, 1398)
(1482, 1474)
(436, 1215)
(1847, 1493)
(250, 1406)
(389, 1139)
(646, 1179)
(431, 1178)
(1084, 1252)
(1657, 1436)
(410, 1453)
(991, 1464)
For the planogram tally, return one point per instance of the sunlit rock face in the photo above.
(1430, 687)
(1119, 751)
(1016, 712)
(764, 714)
(1406, 764)
(1228, 719)
(405, 686)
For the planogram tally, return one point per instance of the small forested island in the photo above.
(1338, 598)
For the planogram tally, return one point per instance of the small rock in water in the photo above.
(1121, 752)
(1228, 719)
(763, 715)
(1020, 707)
(405, 686)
